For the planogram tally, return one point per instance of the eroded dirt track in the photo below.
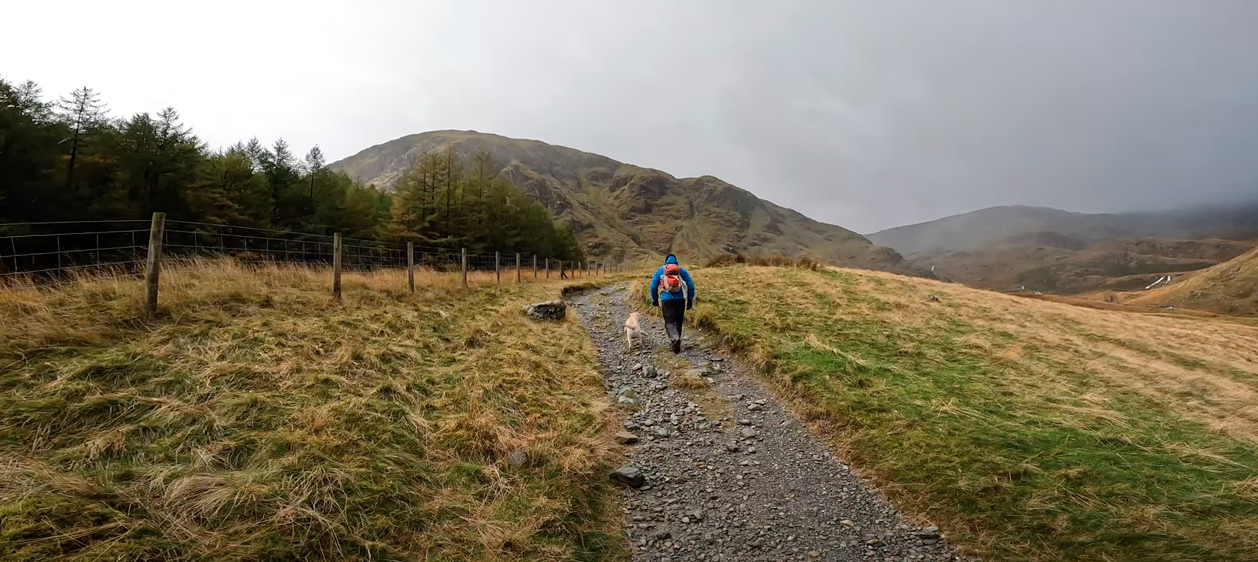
(730, 474)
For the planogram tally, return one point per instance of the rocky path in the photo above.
(720, 470)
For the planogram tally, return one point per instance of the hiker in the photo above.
(667, 286)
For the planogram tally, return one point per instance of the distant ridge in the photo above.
(1043, 249)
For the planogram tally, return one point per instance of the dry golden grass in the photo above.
(258, 419)
(1031, 430)
(1228, 288)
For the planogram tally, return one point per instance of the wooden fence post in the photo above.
(497, 268)
(576, 271)
(548, 268)
(463, 267)
(517, 268)
(336, 265)
(534, 266)
(410, 266)
(151, 275)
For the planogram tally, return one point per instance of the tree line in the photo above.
(443, 201)
(68, 159)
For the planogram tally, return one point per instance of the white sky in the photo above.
(867, 114)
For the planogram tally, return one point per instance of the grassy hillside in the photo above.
(623, 212)
(984, 228)
(1228, 288)
(257, 420)
(1028, 430)
(1055, 263)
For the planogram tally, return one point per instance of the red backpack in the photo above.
(671, 281)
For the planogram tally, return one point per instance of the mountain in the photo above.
(999, 225)
(1056, 264)
(1049, 250)
(1227, 288)
(622, 212)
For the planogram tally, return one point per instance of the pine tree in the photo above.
(82, 112)
(314, 167)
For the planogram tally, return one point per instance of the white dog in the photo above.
(632, 329)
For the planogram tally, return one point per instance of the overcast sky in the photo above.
(867, 114)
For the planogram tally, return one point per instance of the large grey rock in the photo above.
(626, 438)
(629, 475)
(550, 310)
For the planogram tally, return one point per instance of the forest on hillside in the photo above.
(68, 159)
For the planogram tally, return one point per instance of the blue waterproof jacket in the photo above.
(656, 294)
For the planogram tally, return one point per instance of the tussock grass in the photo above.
(1029, 430)
(256, 419)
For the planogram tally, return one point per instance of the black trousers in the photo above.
(674, 312)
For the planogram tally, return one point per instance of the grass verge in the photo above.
(256, 419)
(1028, 430)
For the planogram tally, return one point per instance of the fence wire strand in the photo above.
(61, 254)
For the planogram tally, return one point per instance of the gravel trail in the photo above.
(724, 472)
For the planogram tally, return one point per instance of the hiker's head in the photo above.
(670, 259)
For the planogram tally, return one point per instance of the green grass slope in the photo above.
(1028, 430)
(257, 420)
(622, 212)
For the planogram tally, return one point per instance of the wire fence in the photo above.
(51, 254)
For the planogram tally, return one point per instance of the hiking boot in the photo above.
(676, 346)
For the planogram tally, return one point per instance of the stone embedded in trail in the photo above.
(753, 407)
(650, 372)
(626, 401)
(550, 310)
(629, 475)
(749, 432)
(626, 438)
